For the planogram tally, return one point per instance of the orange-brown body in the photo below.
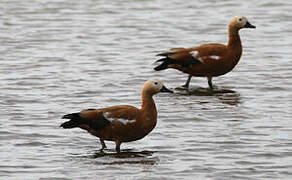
(144, 121)
(229, 57)
(207, 60)
(121, 123)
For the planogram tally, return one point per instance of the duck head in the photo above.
(155, 86)
(239, 22)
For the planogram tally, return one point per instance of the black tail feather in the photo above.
(75, 121)
(71, 116)
(69, 124)
(164, 65)
(166, 54)
(186, 63)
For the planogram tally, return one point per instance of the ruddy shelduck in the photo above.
(122, 123)
(207, 60)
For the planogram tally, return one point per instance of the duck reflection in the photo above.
(126, 156)
(231, 98)
(225, 95)
(127, 153)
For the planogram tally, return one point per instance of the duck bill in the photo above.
(164, 89)
(248, 25)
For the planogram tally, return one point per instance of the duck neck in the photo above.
(148, 104)
(234, 38)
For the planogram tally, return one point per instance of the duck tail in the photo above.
(164, 65)
(75, 121)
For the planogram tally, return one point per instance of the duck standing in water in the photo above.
(207, 60)
(121, 123)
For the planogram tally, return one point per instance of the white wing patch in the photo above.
(194, 54)
(122, 120)
(215, 57)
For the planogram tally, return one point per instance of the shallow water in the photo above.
(62, 56)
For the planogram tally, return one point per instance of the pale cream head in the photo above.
(154, 86)
(240, 22)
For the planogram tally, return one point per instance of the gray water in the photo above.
(60, 56)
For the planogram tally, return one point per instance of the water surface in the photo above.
(60, 56)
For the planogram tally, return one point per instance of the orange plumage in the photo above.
(121, 123)
(207, 60)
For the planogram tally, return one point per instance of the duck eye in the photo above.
(240, 19)
(156, 83)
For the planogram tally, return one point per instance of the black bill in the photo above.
(248, 25)
(164, 89)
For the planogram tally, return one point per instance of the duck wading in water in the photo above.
(207, 60)
(123, 123)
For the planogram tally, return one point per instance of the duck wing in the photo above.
(178, 56)
(98, 119)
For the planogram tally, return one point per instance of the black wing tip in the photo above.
(71, 116)
(159, 68)
(166, 54)
(69, 124)
(74, 120)
(161, 54)
(163, 65)
(65, 116)
(160, 60)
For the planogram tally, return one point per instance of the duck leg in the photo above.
(186, 85)
(210, 82)
(103, 146)
(118, 144)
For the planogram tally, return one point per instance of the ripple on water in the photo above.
(59, 57)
